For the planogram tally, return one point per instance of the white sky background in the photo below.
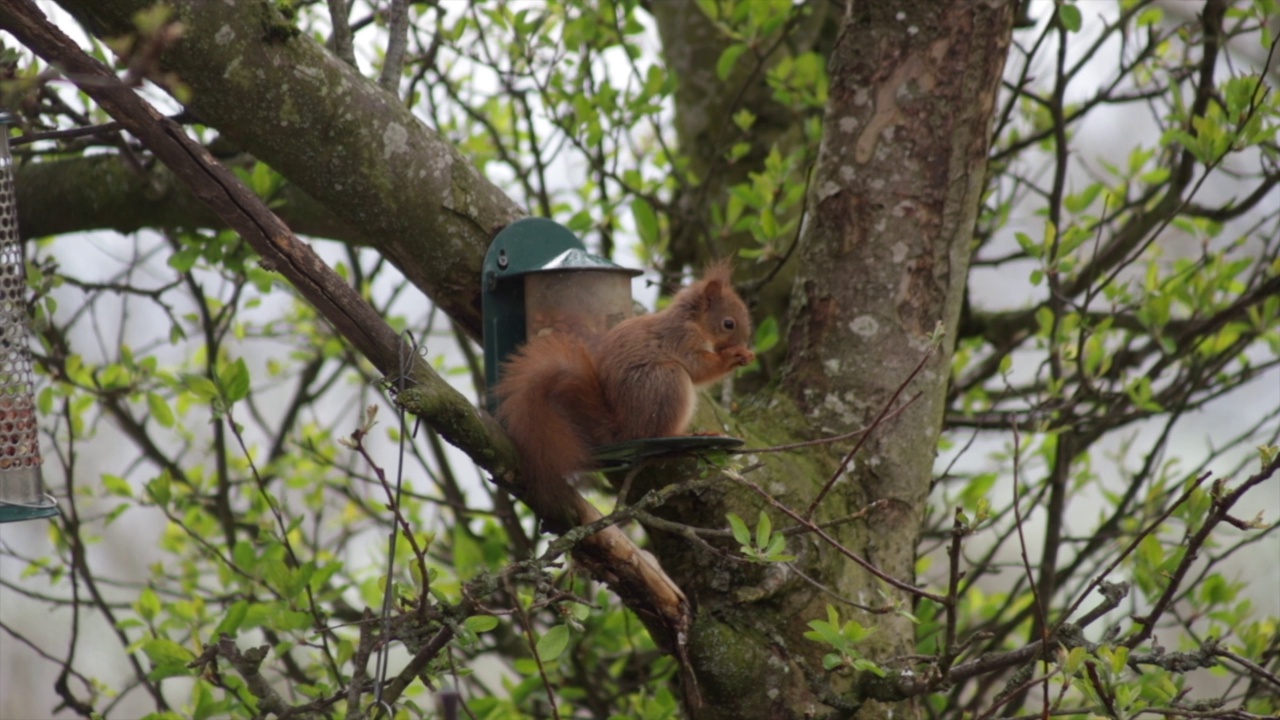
(130, 545)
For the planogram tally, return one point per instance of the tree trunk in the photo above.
(882, 267)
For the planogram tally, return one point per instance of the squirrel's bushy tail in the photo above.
(553, 409)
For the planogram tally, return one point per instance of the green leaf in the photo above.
(1268, 454)
(581, 222)
(553, 642)
(1075, 659)
(767, 335)
(184, 260)
(1069, 16)
(235, 381)
(160, 489)
(160, 672)
(35, 276)
(234, 618)
(244, 556)
(868, 666)
(148, 604)
(468, 556)
(854, 632)
(1150, 551)
(823, 632)
(159, 410)
(290, 620)
(1119, 659)
(764, 530)
(480, 623)
(740, 531)
(264, 181)
(116, 485)
(1150, 16)
(200, 386)
(1072, 238)
(729, 58)
(1028, 245)
(162, 651)
(646, 222)
(114, 377)
(775, 551)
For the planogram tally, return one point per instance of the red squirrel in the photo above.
(560, 398)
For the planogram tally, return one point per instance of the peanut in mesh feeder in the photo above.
(22, 495)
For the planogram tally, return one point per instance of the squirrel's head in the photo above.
(723, 315)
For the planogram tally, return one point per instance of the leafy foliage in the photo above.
(221, 475)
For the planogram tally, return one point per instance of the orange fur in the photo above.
(559, 399)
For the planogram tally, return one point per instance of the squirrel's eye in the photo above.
(729, 324)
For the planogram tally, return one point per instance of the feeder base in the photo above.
(15, 513)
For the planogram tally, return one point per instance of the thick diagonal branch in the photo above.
(640, 583)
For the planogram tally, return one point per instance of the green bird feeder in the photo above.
(22, 495)
(539, 279)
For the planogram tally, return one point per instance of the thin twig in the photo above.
(103, 129)
(1253, 667)
(958, 531)
(398, 39)
(341, 35)
(906, 587)
(1039, 602)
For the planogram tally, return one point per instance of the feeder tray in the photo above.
(620, 456)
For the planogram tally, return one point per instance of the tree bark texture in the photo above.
(882, 265)
(106, 192)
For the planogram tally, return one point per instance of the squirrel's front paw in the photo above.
(740, 355)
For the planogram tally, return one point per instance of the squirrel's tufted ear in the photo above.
(720, 271)
(716, 277)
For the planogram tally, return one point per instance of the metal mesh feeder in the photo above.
(22, 495)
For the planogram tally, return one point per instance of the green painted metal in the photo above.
(620, 456)
(15, 513)
(525, 246)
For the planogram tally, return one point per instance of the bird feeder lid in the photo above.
(576, 259)
(543, 252)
